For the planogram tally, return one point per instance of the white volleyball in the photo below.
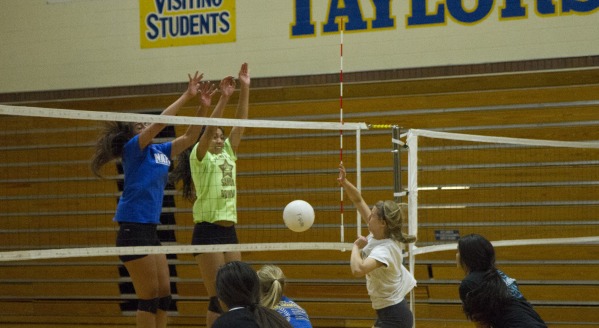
(298, 215)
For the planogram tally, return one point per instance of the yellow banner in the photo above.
(173, 23)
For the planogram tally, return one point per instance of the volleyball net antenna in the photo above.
(513, 191)
(53, 206)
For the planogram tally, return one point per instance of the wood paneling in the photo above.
(44, 180)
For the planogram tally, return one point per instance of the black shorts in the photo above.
(136, 234)
(397, 316)
(205, 233)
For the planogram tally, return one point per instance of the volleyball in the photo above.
(298, 215)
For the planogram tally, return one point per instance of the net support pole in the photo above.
(396, 164)
(412, 142)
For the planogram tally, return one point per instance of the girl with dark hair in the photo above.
(379, 257)
(238, 288)
(212, 173)
(145, 167)
(489, 297)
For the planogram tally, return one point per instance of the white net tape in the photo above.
(53, 207)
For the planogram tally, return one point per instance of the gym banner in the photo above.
(427, 13)
(172, 23)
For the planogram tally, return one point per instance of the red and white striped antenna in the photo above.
(341, 28)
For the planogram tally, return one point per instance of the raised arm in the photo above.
(354, 194)
(227, 86)
(150, 132)
(242, 106)
(205, 92)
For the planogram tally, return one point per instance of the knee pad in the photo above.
(214, 305)
(164, 303)
(148, 305)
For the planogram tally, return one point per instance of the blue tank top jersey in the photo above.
(297, 316)
(146, 174)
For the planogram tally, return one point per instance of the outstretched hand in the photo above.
(205, 92)
(194, 84)
(244, 75)
(227, 86)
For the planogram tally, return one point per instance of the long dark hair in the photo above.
(237, 284)
(182, 172)
(485, 302)
(110, 143)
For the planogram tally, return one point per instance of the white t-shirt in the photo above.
(387, 285)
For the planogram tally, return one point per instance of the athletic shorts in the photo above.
(398, 316)
(205, 233)
(136, 234)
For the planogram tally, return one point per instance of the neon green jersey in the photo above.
(214, 181)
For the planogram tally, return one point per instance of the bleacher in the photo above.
(562, 281)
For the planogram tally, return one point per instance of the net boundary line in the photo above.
(505, 140)
(185, 249)
(509, 243)
(173, 249)
(177, 120)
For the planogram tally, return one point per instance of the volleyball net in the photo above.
(53, 206)
(517, 191)
(513, 191)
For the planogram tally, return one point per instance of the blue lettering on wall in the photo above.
(187, 25)
(421, 15)
(303, 19)
(545, 7)
(513, 9)
(224, 21)
(160, 6)
(353, 13)
(457, 11)
(180, 5)
(382, 11)
(580, 6)
(152, 34)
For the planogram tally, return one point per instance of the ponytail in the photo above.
(182, 172)
(272, 284)
(486, 301)
(394, 214)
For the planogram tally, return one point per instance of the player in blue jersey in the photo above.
(146, 167)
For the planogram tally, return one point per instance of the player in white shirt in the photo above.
(378, 257)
